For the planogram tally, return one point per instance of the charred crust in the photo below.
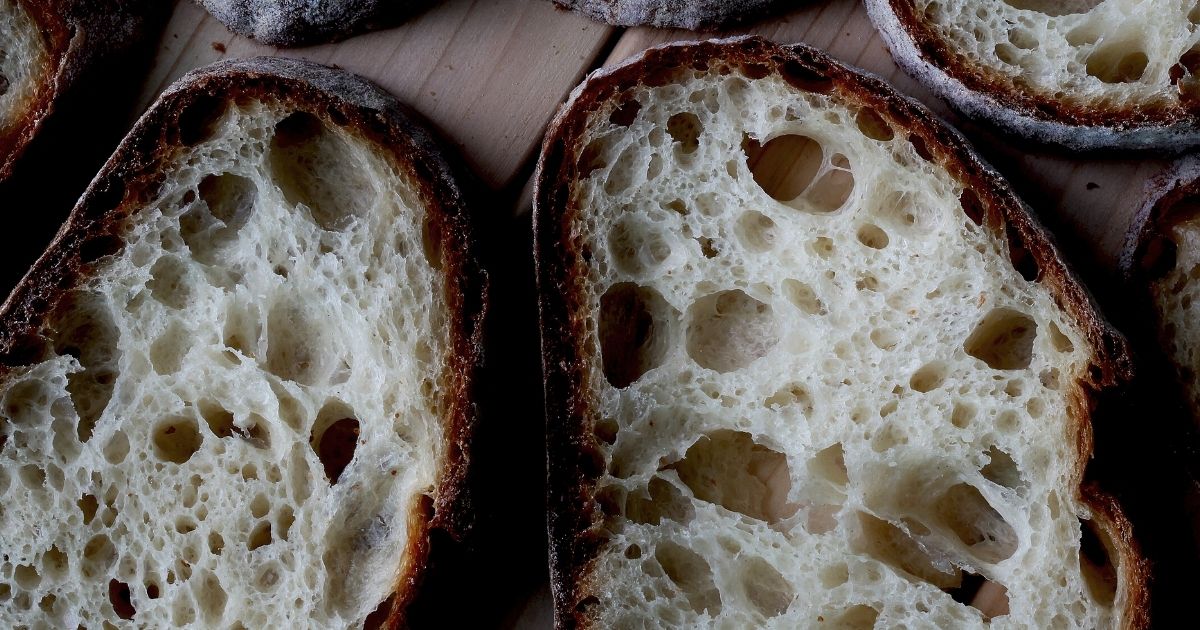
(132, 177)
(574, 519)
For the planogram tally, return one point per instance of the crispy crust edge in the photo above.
(574, 461)
(338, 98)
(81, 36)
(978, 94)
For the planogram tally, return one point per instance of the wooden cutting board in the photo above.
(490, 74)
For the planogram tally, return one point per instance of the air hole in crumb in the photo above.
(766, 589)
(176, 439)
(1116, 63)
(1059, 341)
(792, 394)
(894, 547)
(625, 113)
(785, 166)
(167, 352)
(1001, 469)
(756, 231)
(730, 469)
(1003, 340)
(334, 444)
(685, 128)
(606, 430)
(988, 597)
(298, 342)
(972, 206)
(1096, 554)
(118, 594)
(260, 536)
(729, 330)
(314, 165)
(1022, 259)
(830, 464)
(592, 157)
(803, 297)
(930, 377)
(197, 120)
(691, 574)
(660, 500)
(966, 513)
(228, 202)
(637, 246)
(634, 329)
(168, 282)
(919, 146)
(806, 78)
(872, 236)
(210, 596)
(84, 328)
(873, 126)
(98, 555)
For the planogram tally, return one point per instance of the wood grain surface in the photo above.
(490, 74)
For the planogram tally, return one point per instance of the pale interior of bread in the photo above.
(1176, 295)
(1101, 53)
(22, 62)
(242, 408)
(825, 395)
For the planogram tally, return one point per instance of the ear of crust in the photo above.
(76, 38)
(403, 139)
(577, 460)
(983, 93)
(696, 15)
(290, 23)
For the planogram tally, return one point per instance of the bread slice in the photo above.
(810, 363)
(46, 48)
(688, 14)
(306, 22)
(1161, 260)
(237, 386)
(1084, 74)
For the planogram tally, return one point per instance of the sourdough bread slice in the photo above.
(46, 48)
(1161, 260)
(1084, 74)
(238, 384)
(687, 14)
(306, 22)
(809, 362)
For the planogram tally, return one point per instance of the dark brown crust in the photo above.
(80, 37)
(132, 176)
(575, 462)
(1059, 115)
(289, 23)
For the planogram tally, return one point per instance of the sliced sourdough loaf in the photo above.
(47, 47)
(238, 385)
(1084, 74)
(810, 363)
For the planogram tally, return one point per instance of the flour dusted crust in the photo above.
(686, 14)
(46, 48)
(1088, 74)
(238, 385)
(856, 395)
(305, 22)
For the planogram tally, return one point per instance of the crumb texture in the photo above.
(826, 395)
(1101, 54)
(23, 62)
(239, 409)
(687, 14)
